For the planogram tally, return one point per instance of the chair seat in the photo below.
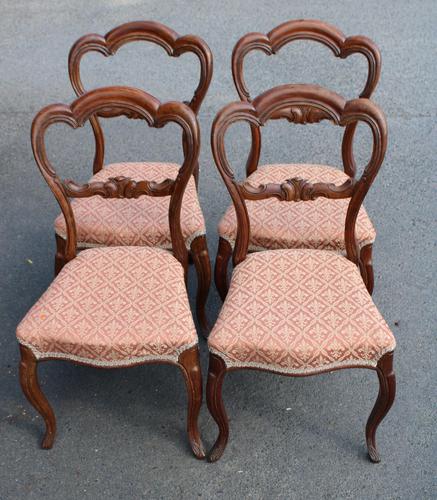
(317, 224)
(113, 306)
(299, 312)
(134, 222)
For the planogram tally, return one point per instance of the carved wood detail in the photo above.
(303, 29)
(108, 45)
(302, 115)
(297, 190)
(306, 29)
(278, 102)
(156, 115)
(119, 187)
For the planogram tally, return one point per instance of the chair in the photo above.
(118, 306)
(299, 312)
(321, 223)
(108, 222)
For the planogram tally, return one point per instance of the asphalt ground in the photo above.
(122, 432)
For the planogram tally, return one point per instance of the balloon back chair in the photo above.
(141, 222)
(118, 306)
(300, 312)
(321, 222)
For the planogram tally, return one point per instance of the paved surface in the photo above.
(121, 433)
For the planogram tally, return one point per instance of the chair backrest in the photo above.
(301, 104)
(149, 31)
(129, 102)
(302, 29)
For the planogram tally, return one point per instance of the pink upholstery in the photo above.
(113, 306)
(140, 222)
(317, 224)
(301, 312)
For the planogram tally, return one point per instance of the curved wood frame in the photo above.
(218, 370)
(149, 31)
(298, 104)
(188, 363)
(175, 45)
(122, 100)
(302, 29)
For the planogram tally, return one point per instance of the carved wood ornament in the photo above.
(305, 29)
(147, 108)
(311, 100)
(108, 45)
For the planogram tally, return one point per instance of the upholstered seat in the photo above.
(113, 306)
(135, 222)
(317, 224)
(299, 311)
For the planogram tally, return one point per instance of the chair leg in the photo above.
(224, 253)
(189, 362)
(200, 255)
(386, 396)
(216, 375)
(366, 259)
(32, 391)
(60, 254)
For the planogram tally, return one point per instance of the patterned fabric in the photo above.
(139, 222)
(299, 311)
(113, 306)
(317, 224)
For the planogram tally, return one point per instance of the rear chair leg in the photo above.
(190, 364)
(32, 391)
(386, 396)
(60, 254)
(366, 259)
(200, 255)
(224, 253)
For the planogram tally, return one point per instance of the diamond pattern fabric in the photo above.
(299, 311)
(113, 306)
(317, 224)
(134, 222)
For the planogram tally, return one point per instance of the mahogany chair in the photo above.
(117, 306)
(321, 223)
(299, 312)
(109, 222)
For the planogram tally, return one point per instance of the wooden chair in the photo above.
(321, 223)
(299, 312)
(118, 306)
(109, 222)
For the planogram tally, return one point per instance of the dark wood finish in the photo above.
(302, 29)
(189, 363)
(277, 103)
(386, 396)
(60, 254)
(224, 254)
(126, 101)
(367, 266)
(294, 102)
(149, 31)
(200, 256)
(175, 45)
(217, 371)
(32, 391)
(216, 375)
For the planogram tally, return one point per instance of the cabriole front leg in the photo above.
(384, 401)
(32, 391)
(216, 375)
(190, 364)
